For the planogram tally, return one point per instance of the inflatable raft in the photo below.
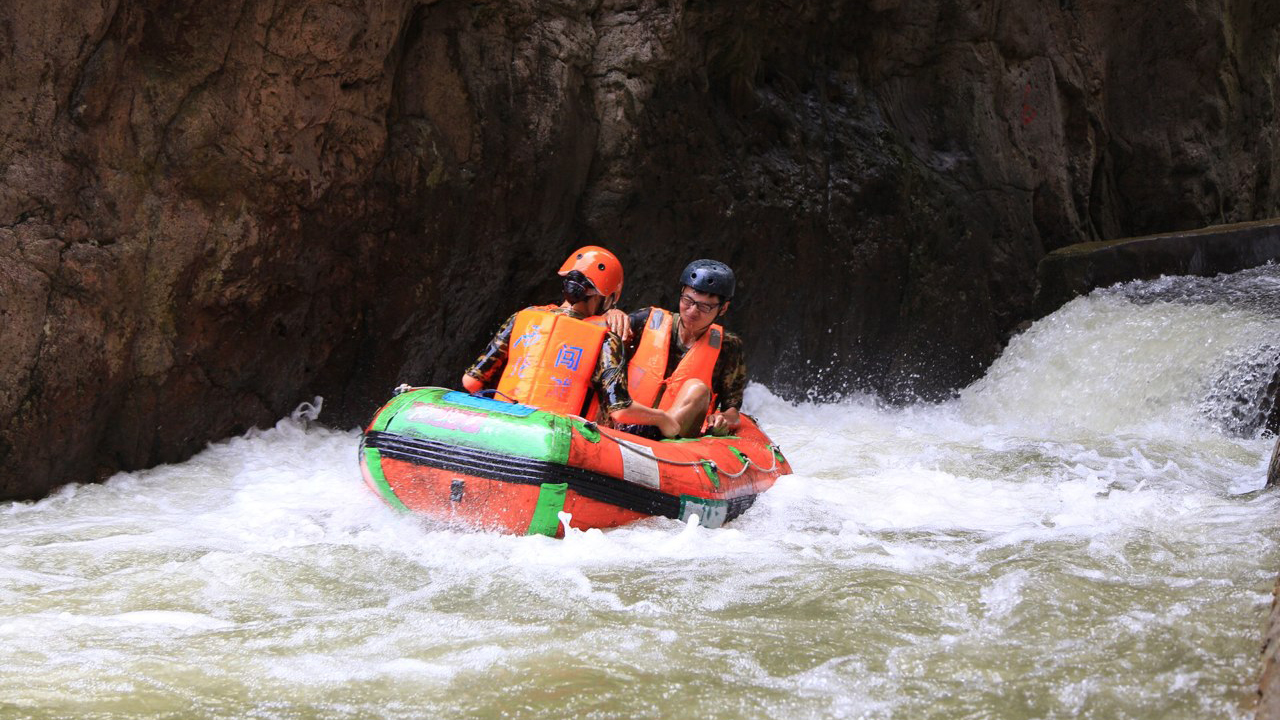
(479, 462)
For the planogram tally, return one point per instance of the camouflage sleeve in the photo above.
(610, 378)
(729, 377)
(488, 367)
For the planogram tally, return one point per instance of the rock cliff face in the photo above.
(210, 211)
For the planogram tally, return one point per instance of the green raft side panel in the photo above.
(711, 513)
(546, 517)
(373, 463)
(469, 421)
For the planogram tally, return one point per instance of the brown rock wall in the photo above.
(210, 212)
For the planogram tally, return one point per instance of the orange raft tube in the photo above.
(474, 461)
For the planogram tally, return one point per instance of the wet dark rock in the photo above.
(1273, 469)
(212, 212)
(1270, 404)
(1269, 683)
(1241, 400)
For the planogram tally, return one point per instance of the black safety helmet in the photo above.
(709, 276)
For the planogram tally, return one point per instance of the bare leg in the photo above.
(690, 407)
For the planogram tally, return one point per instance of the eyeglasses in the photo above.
(703, 307)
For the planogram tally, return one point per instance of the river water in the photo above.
(1082, 533)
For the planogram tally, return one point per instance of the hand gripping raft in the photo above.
(477, 462)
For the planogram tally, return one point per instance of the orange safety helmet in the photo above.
(601, 267)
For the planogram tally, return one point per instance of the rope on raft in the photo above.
(746, 461)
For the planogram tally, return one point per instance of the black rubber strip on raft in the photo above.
(523, 471)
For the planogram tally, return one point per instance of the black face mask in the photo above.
(577, 287)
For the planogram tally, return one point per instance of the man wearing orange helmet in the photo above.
(563, 357)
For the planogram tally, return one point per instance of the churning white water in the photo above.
(1080, 534)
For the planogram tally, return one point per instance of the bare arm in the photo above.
(729, 378)
(619, 324)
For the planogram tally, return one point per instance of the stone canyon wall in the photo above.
(212, 211)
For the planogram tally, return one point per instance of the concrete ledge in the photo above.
(1077, 269)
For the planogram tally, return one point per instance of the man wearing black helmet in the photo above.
(684, 362)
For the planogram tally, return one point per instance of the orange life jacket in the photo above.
(646, 374)
(551, 358)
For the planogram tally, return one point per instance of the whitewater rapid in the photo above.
(1082, 533)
